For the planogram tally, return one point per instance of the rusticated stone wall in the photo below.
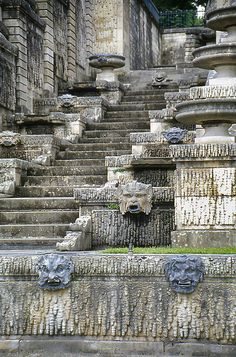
(178, 44)
(133, 301)
(109, 227)
(144, 37)
(26, 30)
(126, 28)
(8, 54)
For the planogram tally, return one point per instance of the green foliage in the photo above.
(169, 250)
(113, 205)
(119, 169)
(177, 4)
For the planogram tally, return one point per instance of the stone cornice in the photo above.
(26, 7)
(8, 46)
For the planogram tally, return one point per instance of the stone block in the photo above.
(199, 350)
(9, 347)
(196, 238)
(82, 347)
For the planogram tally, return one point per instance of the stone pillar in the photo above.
(205, 201)
(205, 196)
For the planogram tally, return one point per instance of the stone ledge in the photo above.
(86, 264)
(91, 196)
(26, 346)
(32, 346)
(196, 238)
(221, 91)
(27, 8)
(15, 163)
(201, 151)
(8, 46)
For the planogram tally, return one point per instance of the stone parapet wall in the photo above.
(134, 301)
(179, 43)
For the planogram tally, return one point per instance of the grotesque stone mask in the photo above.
(67, 101)
(135, 197)
(54, 271)
(174, 135)
(184, 273)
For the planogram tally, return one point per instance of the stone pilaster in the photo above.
(46, 12)
(26, 32)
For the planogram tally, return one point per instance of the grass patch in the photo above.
(113, 206)
(169, 250)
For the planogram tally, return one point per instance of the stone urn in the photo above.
(107, 63)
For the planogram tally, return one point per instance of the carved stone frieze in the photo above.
(172, 98)
(67, 101)
(198, 151)
(8, 138)
(132, 284)
(106, 194)
(217, 92)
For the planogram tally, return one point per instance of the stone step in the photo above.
(143, 98)
(72, 181)
(38, 217)
(118, 134)
(32, 230)
(38, 203)
(80, 162)
(116, 127)
(136, 105)
(106, 139)
(126, 114)
(77, 155)
(20, 243)
(67, 171)
(45, 191)
(152, 91)
(106, 147)
(130, 119)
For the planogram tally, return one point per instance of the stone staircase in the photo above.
(44, 206)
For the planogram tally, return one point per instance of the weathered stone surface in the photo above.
(133, 284)
(54, 272)
(184, 273)
(109, 227)
(135, 198)
(78, 237)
